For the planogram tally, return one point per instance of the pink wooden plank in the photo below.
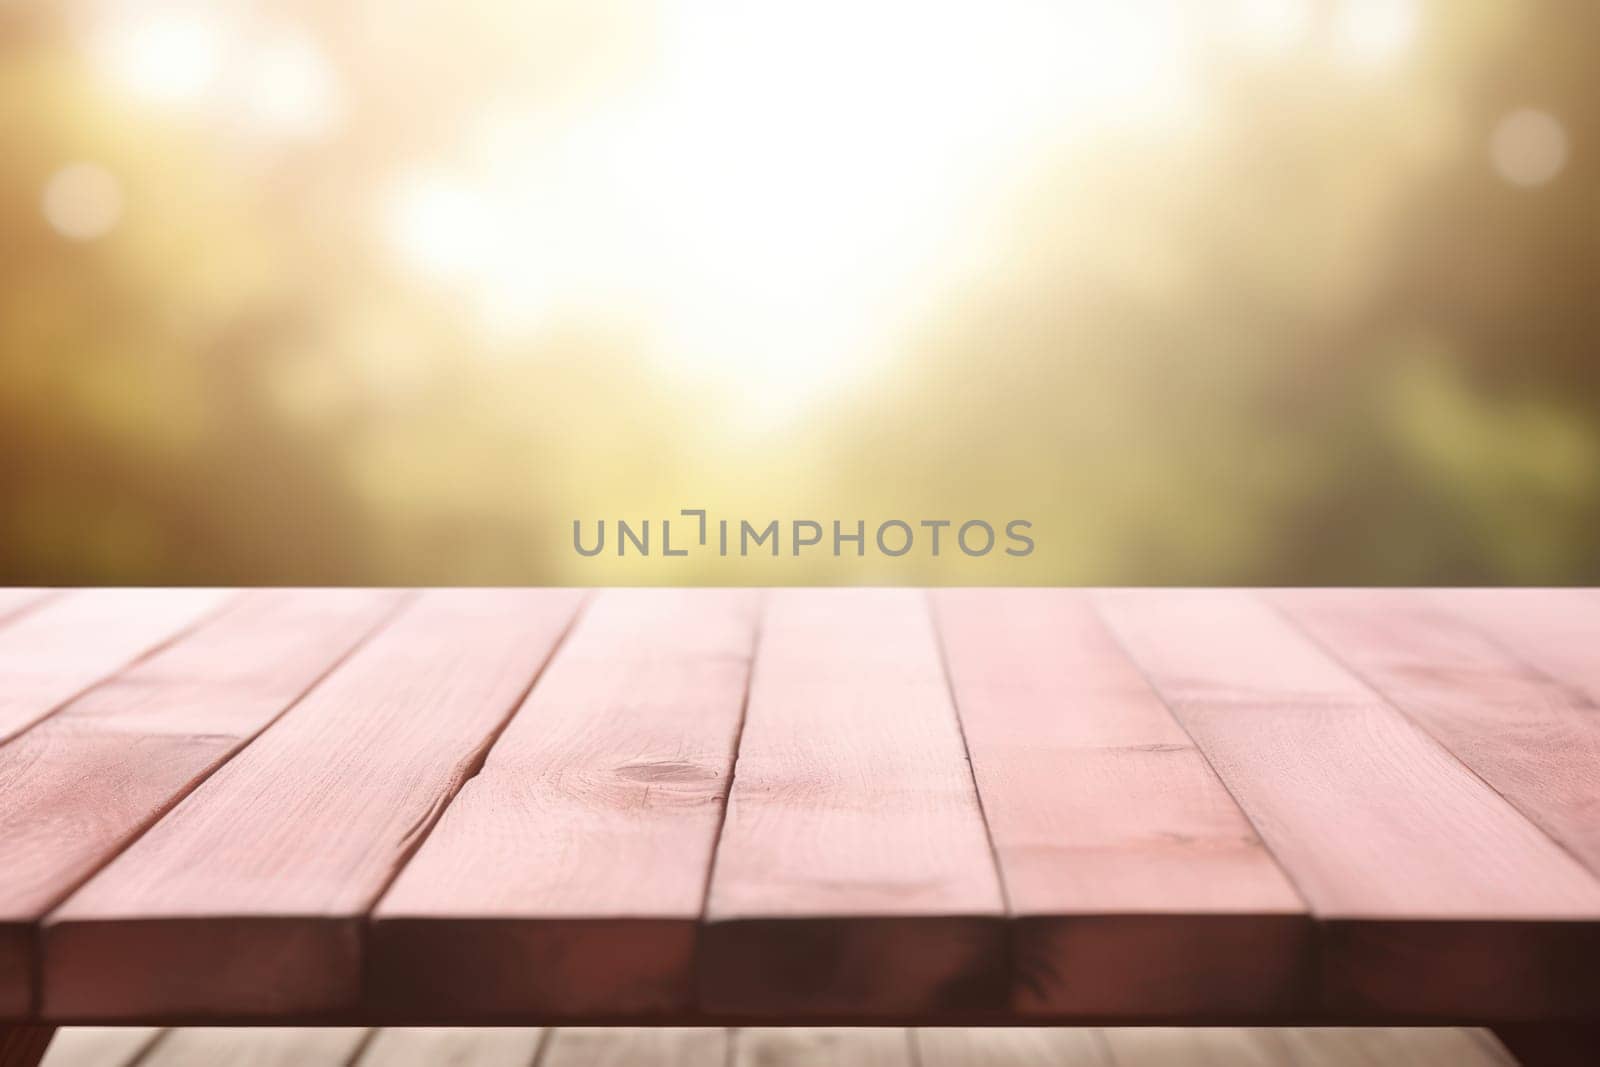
(51, 654)
(476, 1046)
(1136, 886)
(81, 784)
(629, 1046)
(101, 1046)
(1556, 631)
(1438, 898)
(1331, 1046)
(1026, 1046)
(15, 601)
(602, 801)
(794, 1046)
(1535, 739)
(250, 896)
(211, 1046)
(853, 876)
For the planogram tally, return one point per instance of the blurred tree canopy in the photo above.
(1316, 339)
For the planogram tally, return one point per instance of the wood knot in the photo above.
(652, 771)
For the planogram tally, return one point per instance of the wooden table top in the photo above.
(287, 1046)
(829, 806)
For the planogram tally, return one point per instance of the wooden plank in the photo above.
(854, 876)
(602, 798)
(633, 1047)
(260, 1047)
(250, 896)
(53, 653)
(1212, 1047)
(1355, 1046)
(1137, 888)
(100, 1046)
(1536, 740)
(80, 785)
(16, 601)
(1011, 1046)
(485, 1046)
(1438, 900)
(802, 1047)
(1556, 631)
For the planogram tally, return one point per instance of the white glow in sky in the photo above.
(786, 180)
(290, 88)
(1270, 25)
(441, 226)
(221, 64)
(167, 57)
(1373, 32)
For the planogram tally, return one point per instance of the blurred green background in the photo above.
(1239, 292)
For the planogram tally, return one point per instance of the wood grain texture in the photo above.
(250, 896)
(1423, 767)
(1553, 630)
(569, 876)
(1137, 887)
(51, 654)
(854, 875)
(1010, 1046)
(100, 1046)
(76, 788)
(1179, 1047)
(1357, 1046)
(1304, 1047)
(1536, 740)
(934, 1047)
(1438, 900)
(443, 1047)
(803, 1047)
(285, 1047)
(634, 1047)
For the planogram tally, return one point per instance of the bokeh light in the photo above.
(82, 201)
(1528, 147)
(1372, 32)
(293, 90)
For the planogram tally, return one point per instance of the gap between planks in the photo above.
(1532, 737)
(978, 794)
(604, 796)
(1138, 888)
(83, 784)
(854, 875)
(53, 651)
(223, 895)
(789, 1047)
(1429, 888)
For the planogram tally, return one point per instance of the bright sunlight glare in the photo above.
(167, 57)
(1271, 24)
(1372, 32)
(785, 186)
(291, 89)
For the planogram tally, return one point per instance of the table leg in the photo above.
(1552, 1045)
(23, 1046)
